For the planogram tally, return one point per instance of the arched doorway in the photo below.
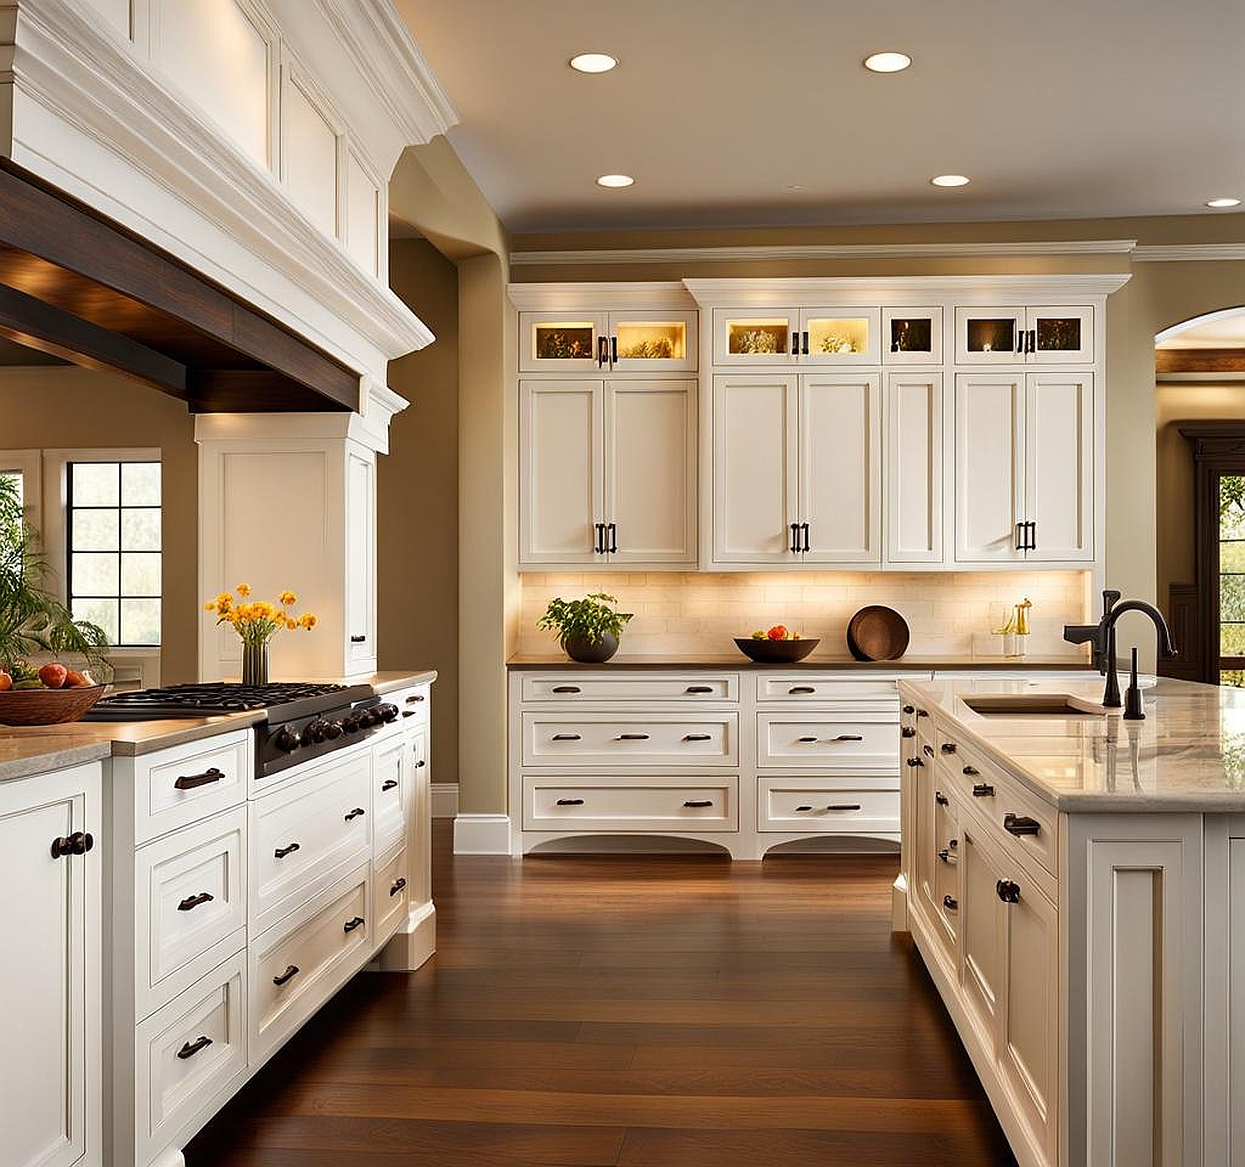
(1200, 422)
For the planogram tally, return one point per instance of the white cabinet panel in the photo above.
(989, 466)
(360, 557)
(755, 492)
(362, 216)
(913, 459)
(650, 464)
(309, 151)
(561, 476)
(840, 468)
(1059, 457)
(390, 794)
(982, 938)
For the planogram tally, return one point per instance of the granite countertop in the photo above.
(1187, 755)
(826, 663)
(35, 749)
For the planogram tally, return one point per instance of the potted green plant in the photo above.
(31, 619)
(587, 629)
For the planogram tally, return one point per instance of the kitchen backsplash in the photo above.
(699, 613)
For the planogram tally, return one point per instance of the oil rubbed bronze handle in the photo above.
(698, 689)
(940, 798)
(950, 903)
(415, 700)
(697, 737)
(398, 886)
(849, 737)
(570, 802)
(632, 737)
(948, 747)
(358, 640)
(908, 731)
(191, 1048)
(983, 790)
(843, 806)
(971, 771)
(79, 843)
(388, 784)
(698, 802)
(282, 852)
(192, 902)
(945, 855)
(909, 708)
(566, 737)
(807, 739)
(351, 925)
(291, 971)
(358, 812)
(803, 808)
(915, 762)
(190, 781)
(1008, 891)
(929, 750)
(801, 690)
(1021, 824)
(566, 689)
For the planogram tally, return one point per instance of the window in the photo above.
(113, 539)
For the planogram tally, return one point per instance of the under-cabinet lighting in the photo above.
(593, 62)
(887, 62)
(615, 180)
(1219, 204)
(949, 180)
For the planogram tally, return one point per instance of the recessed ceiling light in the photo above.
(1225, 202)
(615, 180)
(949, 180)
(887, 62)
(593, 62)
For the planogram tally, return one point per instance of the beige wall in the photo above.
(73, 408)
(417, 496)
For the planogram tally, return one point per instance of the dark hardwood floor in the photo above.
(631, 1012)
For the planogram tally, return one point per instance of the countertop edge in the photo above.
(914, 664)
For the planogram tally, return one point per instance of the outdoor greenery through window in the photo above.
(1232, 580)
(114, 541)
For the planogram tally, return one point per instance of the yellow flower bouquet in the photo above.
(256, 622)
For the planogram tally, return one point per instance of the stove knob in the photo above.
(351, 724)
(332, 730)
(369, 718)
(316, 732)
(389, 713)
(287, 740)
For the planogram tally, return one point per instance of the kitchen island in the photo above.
(1073, 883)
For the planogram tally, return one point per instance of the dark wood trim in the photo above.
(48, 224)
(1199, 360)
(1182, 619)
(49, 329)
(251, 391)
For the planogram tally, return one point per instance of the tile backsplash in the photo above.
(699, 612)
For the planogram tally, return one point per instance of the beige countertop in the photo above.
(1187, 755)
(826, 663)
(36, 749)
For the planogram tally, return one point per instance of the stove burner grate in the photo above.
(205, 700)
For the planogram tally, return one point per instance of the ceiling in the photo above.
(1223, 330)
(1064, 109)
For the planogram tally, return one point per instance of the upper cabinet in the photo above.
(805, 336)
(912, 336)
(1036, 336)
(616, 342)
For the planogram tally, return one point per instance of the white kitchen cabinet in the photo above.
(840, 336)
(830, 335)
(1058, 335)
(608, 473)
(797, 469)
(360, 596)
(1024, 467)
(913, 460)
(51, 1059)
(912, 336)
(620, 341)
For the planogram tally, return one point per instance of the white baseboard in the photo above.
(444, 800)
(482, 834)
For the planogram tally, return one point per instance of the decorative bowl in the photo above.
(47, 706)
(877, 633)
(776, 652)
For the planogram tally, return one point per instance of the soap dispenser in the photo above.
(1133, 709)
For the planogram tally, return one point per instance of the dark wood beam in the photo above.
(47, 224)
(252, 391)
(1199, 360)
(49, 329)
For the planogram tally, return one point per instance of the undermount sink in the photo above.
(1059, 705)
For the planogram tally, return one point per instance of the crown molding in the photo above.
(622, 256)
(666, 295)
(1185, 252)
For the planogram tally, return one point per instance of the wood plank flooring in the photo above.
(630, 1012)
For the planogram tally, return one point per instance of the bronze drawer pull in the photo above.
(566, 737)
(1009, 891)
(570, 802)
(915, 762)
(803, 808)
(940, 798)
(421, 763)
(799, 690)
(192, 902)
(351, 925)
(922, 713)
(79, 843)
(983, 790)
(358, 812)
(698, 737)
(807, 739)
(929, 750)
(908, 731)
(698, 802)
(191, 1048)
(945, 855)
(849, 737)
(388, 784)
(567, 689)
(1021, 824)
(843, 806)
(950, 903)
(698, 689)
(632, 737)
(909, 708)
(282, 852)
(291, 971)
(948, 747)
(358, 640)
(408, 713)
(398, 886)
(190, 781)
(415, 700)
(971, 771)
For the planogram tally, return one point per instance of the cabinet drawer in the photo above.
(574, 688)
(178, 786)
(630, 804)
(414, 704)
(296, 966)
(819, 807)
(868, 741)
(187, 1057)
(390, 794)
(649, 739)
(865, 695)
(391, 895)
(190, 904)
(303, 835)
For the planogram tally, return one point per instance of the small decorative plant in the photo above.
(256, 622)
(587, 629)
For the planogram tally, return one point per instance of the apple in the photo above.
(53, 675)
(74, 679)
(6, 682)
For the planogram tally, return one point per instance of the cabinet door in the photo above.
(911, 336)
(989, 466)
(1061, 336)
(561, 453)
(914, 468)
(947, 893)
(51, 1062)
(990, 336)
(841, 468)
(840, 336)
(360, 556)
(755, 336)
(755, 449)
(1059, 465)
(981, 932)
(650, 472)
(551, 342)
(925, 845)
(652, 342)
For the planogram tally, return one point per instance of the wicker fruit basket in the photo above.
(47, 706)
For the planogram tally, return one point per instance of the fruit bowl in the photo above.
(47, 706)
(775, 652)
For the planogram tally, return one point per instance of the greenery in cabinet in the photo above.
(31, 619)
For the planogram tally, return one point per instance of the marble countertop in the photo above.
(824, 663)
(1187, 755)
(36, 749)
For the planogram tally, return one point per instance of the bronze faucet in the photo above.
(1101, 637)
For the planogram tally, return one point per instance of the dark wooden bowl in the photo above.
(775, 652)
(877, 633)
(47, 706)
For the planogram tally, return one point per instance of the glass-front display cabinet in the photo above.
(751, 336)
(1040, 336)
(840, 336)
(912, 336)
(989, 336)
(652, 342)
(1060, 336)
(552, 343)
(634, 342)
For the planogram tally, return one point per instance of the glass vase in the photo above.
(255, 663)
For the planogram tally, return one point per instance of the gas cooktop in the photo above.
(219, 697)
